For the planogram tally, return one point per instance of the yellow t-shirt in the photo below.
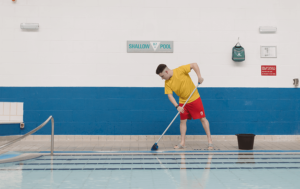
(182, 84)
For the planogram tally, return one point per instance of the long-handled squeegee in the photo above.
(155, 146)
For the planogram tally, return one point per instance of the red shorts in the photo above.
(193, 110)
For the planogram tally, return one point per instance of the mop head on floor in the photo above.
(154, 147)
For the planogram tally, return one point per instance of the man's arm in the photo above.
(195, 67)
(173, 101)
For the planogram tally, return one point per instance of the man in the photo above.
(179, 81)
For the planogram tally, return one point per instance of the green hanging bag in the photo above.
(238, 53)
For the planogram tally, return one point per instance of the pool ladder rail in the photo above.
(33, 131)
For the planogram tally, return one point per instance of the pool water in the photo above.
(9, 155)
(211, 171)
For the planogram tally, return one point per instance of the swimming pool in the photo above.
(185, 170)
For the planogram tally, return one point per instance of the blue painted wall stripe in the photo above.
(147, 111)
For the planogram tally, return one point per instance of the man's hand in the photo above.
(180, 109)
(200, 80)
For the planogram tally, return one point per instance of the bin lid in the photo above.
(245, 135)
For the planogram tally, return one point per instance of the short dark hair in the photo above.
(160, 68)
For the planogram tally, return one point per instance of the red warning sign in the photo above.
(268, 70)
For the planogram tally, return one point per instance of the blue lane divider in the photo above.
(157, 152)
(181, 163)
(115, 169)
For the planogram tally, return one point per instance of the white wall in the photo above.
(83, 42)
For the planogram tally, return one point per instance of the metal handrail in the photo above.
(33, 131)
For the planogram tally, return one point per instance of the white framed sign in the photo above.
(268, 51)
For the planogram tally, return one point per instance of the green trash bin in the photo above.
(245, 141)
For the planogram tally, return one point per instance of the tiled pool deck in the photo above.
(36, 145)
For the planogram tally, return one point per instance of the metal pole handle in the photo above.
(177, 114)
